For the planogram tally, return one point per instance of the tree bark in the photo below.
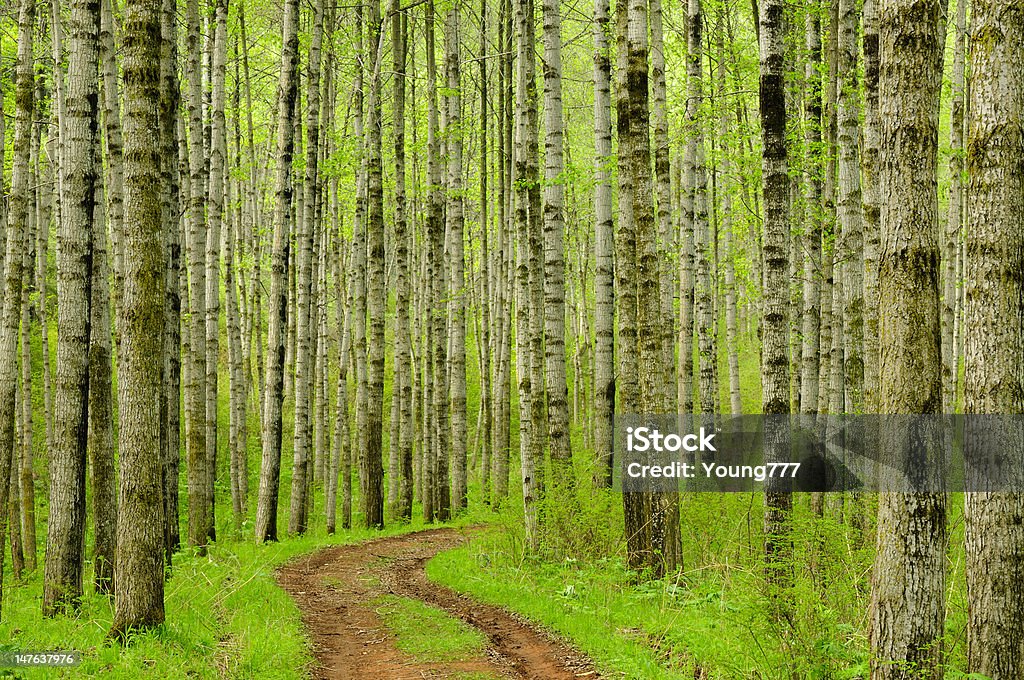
(62, 580)
(270, 468)
(994, 338)
(139, 594)
(908, 583)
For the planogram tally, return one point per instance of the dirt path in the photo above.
(336, 589)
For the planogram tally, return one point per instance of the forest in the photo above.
(322, 324)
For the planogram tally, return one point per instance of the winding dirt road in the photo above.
(336, 590)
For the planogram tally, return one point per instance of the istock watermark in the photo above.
(886, 453)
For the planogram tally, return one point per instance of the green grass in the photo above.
(225, 617)
(427, 633)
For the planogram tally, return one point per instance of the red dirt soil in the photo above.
(336, 590)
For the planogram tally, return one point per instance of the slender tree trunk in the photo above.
(195, 386)
(554, 260)
(850, 216)
(908, 582)
(954, 219)
(170, 98)
(375, 285)
(297, 518)
(215, 204)
(62, 580)
(457, 286)
(994, 329)
(775, 252)
(270, 469)
(811, 328)
(604, 243)
(871, 233)
(101, 419)
(112, 132)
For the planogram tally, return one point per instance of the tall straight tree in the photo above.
(810, 356)
(139, 588)
(869, 196)
(199, 521)
(455, 215)
(170, 98)
(994, 338)
(954, 218)
(554, 256)
(297, 517)
(604, 244)
(775, 267)
(62, 580)
(908, 583)
(215, 203)
(373, 471)
(403, 335)
(849, 204)
(16, 228)
(270, 468)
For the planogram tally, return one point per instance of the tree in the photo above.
(554, 258)
(994, 340)
(908, 581)
(16, 228)
(270, 468)
(811, 329)
(297, 518)
(604, 240)
(139, 589)
(775, 255)
(62, 580)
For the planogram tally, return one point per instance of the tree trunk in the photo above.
(195, 385)
(62, 580)
(376, 296)
(270, 468)
(811, 328)
(604, 243)
(457, 286)
(908, 583)
(560, 446)
(871, 234)
(994, 341)
(139, 594)
(297, 518)
(170, 98)
(850, 207)
(775, 253)
(954, 219)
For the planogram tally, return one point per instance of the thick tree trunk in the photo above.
(139, 594)
(908, 583)
(994, 342)
(270, 469)
(62, 580)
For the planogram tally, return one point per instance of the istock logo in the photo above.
(641, 439)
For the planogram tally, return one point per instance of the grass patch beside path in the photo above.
(427, 633)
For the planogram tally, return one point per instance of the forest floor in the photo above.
(349, 596)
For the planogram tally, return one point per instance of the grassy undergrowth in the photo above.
(226, 618)
(428, 633)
